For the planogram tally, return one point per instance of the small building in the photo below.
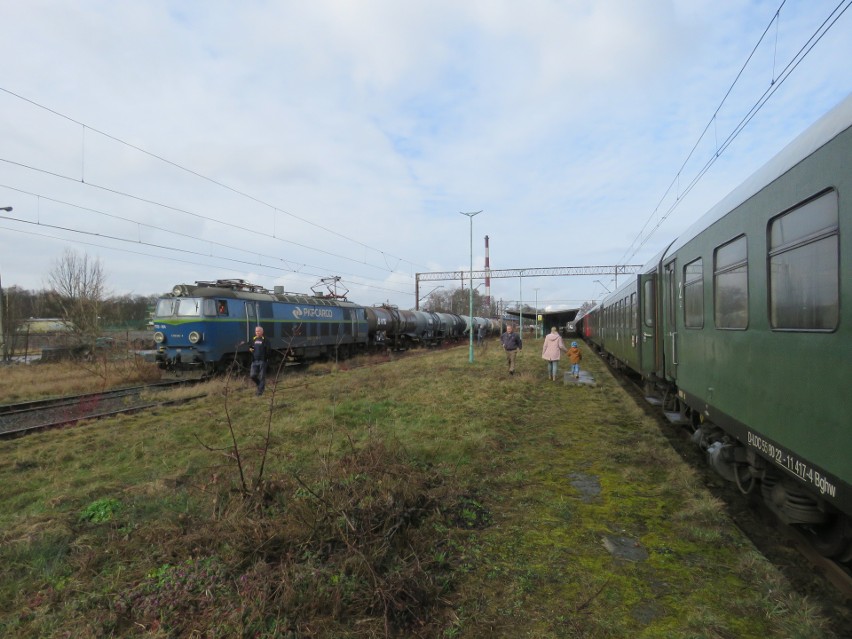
(45, 325)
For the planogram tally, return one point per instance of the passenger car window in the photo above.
(804, 275)
(649, 303)
(693, 294)
(730, 278)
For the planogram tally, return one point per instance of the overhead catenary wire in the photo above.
(181, 210)
(177, 233)
(182, 251)
(197, 174)
(775, 82)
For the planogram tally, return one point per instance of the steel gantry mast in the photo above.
(442, 276)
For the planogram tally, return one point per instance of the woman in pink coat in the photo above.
(552, 351)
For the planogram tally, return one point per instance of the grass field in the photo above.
(424, 497)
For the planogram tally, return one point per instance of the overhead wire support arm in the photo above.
(442, 276)
(616, 269)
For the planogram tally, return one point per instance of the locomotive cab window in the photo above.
(189, 307)
(730, 278)
(222, 307)
(693, 294)
(166, 307)
(804, 276)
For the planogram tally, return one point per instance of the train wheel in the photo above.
(833, 539)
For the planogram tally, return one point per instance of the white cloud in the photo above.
(380, 120)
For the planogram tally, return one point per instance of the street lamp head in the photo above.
(6, 208)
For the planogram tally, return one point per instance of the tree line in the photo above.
(75, 293)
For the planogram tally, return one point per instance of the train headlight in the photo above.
(194, 337)
(159, 338)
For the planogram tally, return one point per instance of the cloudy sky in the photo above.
(282, 142)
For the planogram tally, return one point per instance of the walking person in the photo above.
(480, 335)
(551, 351)
(511, 342)
(574, 356)
(260, 354)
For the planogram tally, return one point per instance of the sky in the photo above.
(284, 142)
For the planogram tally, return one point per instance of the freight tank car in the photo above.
(742, 329)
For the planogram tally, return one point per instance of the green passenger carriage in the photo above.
(742, 328)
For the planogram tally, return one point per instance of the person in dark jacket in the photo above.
(511, 342)
(260, 354)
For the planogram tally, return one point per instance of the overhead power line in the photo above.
(775, 82)
(186, 235)
(182, 251)
(201, 176)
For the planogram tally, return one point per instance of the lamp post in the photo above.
(4, 353)
(470, 287)
(536, 312)
(521, 302)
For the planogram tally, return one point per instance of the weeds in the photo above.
(101, 510)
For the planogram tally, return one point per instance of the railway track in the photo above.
(29, 417)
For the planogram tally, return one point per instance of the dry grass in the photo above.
(21, 382)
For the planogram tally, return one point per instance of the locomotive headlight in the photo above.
(194, 337)
(159, 338)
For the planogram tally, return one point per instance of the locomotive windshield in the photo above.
(165, 307)
(182, 307)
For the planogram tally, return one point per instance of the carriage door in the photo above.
(671, 301)
(647, 322)
(251, 320)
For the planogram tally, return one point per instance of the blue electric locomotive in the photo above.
(207, 326)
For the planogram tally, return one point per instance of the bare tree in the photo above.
(77, 284)
(458, 301)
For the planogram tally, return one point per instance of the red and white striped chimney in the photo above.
(487, 273)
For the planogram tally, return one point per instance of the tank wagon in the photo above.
(205, 327)
(742, 329)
